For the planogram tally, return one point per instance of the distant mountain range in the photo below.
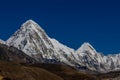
(35, 43)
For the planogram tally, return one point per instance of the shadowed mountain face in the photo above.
(13, 54)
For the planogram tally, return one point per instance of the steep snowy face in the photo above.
(91, 58)
(67, 55)
(33, 40)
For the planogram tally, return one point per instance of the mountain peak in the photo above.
(31, 24)
(86, 47)
(30, 21)
(34, 41)
(86, 44)
(30, 38)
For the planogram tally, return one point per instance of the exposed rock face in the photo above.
(13, 54)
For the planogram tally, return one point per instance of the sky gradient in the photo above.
(72, 22)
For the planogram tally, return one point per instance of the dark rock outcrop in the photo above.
(13, 54)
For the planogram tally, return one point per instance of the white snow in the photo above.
(86, 47)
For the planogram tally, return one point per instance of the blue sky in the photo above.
(72, 22)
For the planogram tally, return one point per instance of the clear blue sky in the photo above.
(72, 22)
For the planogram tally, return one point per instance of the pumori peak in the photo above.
(28, 22)
(34, 41)
(31, 24)
(30, 38)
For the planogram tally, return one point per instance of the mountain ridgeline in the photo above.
(34, 42)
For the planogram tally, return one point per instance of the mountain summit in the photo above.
(86, 47)
(30, 38)
(34, 41)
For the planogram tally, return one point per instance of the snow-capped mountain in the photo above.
(97, 61)
(34, 41)
(86, 47)
(91, 58)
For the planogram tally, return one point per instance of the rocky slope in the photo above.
(13, 54)
(16, 71)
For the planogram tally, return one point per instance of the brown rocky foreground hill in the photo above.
(18, 71)
(15, 71)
